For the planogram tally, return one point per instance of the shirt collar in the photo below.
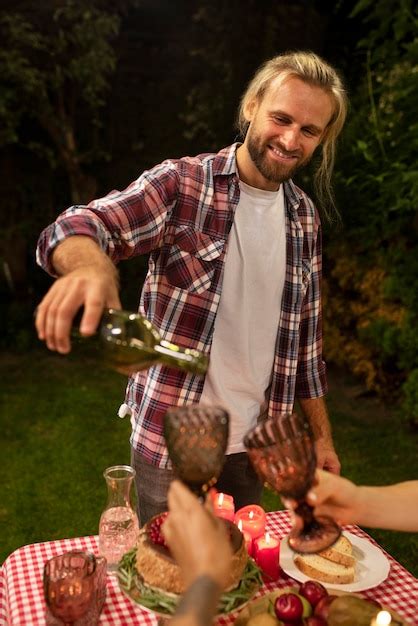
(225, 164)
(293, 194)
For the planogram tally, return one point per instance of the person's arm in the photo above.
(197, 606)
(200, 545)
(393, 507)
(315, 410)
(87, 277)
(85, 243)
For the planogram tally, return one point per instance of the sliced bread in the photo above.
(324, 570)
(341, 552)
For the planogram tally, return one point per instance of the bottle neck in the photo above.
(117, 499)
(130, 343)
(188, 360)
(119, 480)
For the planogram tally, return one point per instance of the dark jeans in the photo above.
(237, 479)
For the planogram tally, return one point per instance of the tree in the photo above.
(372, 313)
(55, 66)
(228, 43)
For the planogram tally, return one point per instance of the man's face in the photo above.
(285, 129)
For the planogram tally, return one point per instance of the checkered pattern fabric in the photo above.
(181, 213)
(22, 602)
(399, 591)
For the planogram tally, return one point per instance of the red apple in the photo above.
(322, 608)
(313, 592)
(289, 607)
(315, 620)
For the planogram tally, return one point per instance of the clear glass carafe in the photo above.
(118, 527)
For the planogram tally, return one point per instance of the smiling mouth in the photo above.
(283, 155)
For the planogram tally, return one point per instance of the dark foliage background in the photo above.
(92, 92)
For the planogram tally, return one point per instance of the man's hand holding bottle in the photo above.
(87, 278)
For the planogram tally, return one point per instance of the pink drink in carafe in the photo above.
(118, 528)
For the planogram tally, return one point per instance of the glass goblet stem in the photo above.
(306, 513)
(198, 489)
(311, 533)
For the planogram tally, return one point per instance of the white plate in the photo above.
(372, 567)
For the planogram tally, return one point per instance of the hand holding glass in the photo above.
(283, 454)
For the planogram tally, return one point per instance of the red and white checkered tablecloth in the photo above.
(22, 602)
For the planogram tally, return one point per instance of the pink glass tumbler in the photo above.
(74, 589)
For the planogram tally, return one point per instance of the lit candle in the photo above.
(223, 506)
(383, 618)
(253, 519)
(266, 554)
(247, 538)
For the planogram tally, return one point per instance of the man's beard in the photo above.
(272, 171)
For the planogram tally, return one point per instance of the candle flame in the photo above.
(251, 514)
(220, 499)
(267, 537)
(240, 524)
(383, 618)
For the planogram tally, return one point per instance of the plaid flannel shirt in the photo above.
(180, 213)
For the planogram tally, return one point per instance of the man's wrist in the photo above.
(324, 442)
(78, 252)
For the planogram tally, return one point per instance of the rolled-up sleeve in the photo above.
(123, 223)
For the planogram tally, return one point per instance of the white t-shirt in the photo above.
(243, 346)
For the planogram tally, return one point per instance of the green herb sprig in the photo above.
(161, 602)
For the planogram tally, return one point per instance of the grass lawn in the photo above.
(60, 431)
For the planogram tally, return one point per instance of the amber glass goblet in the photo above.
(69, 586)
(197, 436)
(283, 454)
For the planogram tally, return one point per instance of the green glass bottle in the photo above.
(131, 343)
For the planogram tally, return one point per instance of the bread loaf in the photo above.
(324, 570)
(340, 552)
(334, 565)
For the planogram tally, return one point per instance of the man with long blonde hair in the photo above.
(313, 71)
(234, 271)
